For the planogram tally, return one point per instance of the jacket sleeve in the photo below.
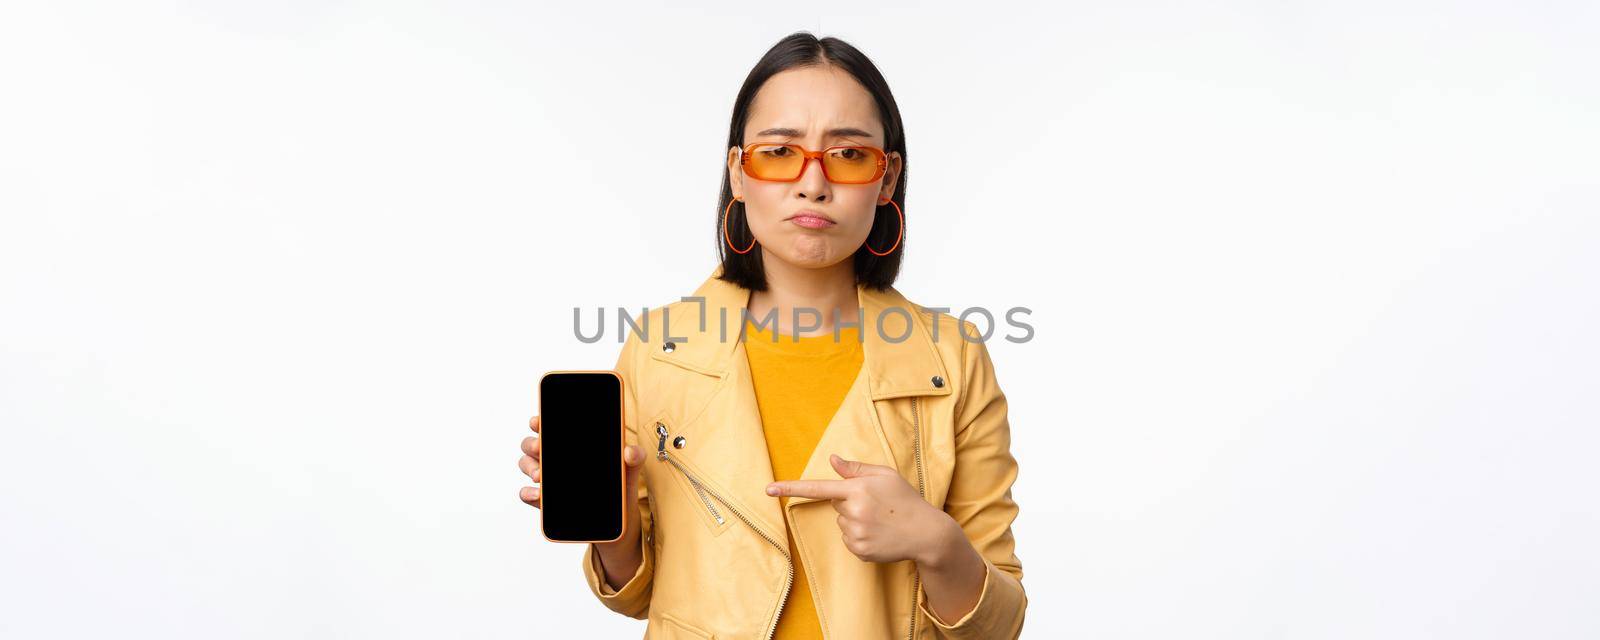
(633, 599)
(980, 501)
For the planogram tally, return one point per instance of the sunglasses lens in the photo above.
(774, 162)
(851, 165)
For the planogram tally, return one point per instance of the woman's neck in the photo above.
(824, 292)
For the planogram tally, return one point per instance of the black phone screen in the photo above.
(580, 434)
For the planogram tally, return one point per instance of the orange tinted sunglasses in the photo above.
(845, 164)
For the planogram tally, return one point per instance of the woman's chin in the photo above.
(812, 252)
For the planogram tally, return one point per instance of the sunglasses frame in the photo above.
(808, 155)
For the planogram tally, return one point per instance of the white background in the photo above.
(1314, 290)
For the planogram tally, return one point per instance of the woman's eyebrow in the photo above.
(837, 132)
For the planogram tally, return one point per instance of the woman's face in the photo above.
(814, 107)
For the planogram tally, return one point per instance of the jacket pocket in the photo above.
(673, 628)
(695, 495)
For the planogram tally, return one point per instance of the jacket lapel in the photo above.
(728, 447)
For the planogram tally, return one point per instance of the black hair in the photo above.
(797, 50)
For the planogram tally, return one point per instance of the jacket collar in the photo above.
(897, 362)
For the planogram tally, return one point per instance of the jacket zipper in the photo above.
(788, 582)
(916, 446)
(661, 453)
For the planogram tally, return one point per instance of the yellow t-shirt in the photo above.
(799, 386)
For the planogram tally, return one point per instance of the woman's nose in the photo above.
(813, 182)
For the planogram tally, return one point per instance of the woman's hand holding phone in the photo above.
(622, 558)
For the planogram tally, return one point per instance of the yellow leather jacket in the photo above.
(716, 562)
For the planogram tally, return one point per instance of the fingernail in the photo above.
(771, 490)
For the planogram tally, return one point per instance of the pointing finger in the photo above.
(826, 489)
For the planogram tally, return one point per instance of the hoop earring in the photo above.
(898, 236)
(728, 239)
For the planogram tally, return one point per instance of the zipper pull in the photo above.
(661, 445)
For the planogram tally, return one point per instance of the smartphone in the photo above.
(581, 438)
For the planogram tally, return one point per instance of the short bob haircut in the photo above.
(801, 49)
